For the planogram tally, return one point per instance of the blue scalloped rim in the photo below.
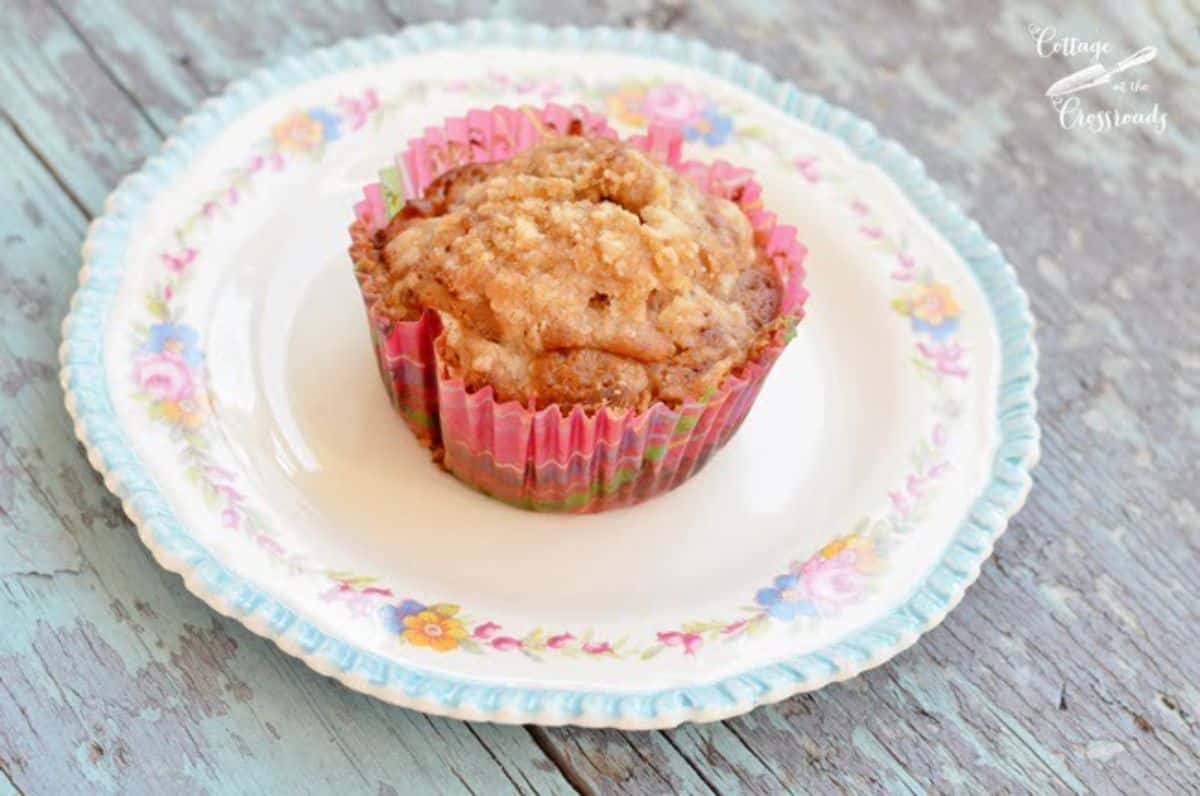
(96, 423)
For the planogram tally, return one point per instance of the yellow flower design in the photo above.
(865, 559)
(625, 105)
(176, 413)
(431, 629)
(932, 303)
(836, 546)
(299, 132)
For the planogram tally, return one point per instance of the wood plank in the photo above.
(33, 538)
(114, 677)
(609, 761)
(210, 43)
(65, 107)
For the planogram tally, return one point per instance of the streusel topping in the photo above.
(581, 271)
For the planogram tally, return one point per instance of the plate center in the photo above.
(301, 404)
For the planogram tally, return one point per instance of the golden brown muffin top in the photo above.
(581, 272)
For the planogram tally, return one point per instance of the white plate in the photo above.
(218, 365)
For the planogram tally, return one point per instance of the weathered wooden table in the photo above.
(1073, 664)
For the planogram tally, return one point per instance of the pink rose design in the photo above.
(485, 630)
(689, 641)
(270, 545)
(216, 471)
(177, 263)
(905, 263)
(358, 602)
(164, 377)
(808, 168)
(595, 648)
(674, 105)
(939, 435)
(915, 485)
(357, 110)
(831, 582)
(506, 643)
(946, 358)
(559, 641)
(231, 495)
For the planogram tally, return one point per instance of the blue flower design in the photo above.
(939, 331)
(410, 607)
(783, 606)
(331, 123)
(176, 337)
(392, 616)
(714, 129)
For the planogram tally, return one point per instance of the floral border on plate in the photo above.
(168, 377)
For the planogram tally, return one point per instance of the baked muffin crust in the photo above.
(580, 272)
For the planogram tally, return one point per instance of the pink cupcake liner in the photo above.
(545, 458)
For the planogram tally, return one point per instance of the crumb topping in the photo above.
(580, 272)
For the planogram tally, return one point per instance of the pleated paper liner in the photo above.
(553, 458)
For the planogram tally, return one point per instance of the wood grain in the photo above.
(1073, 665)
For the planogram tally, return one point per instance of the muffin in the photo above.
(571, 322)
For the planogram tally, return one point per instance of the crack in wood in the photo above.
(46, 165)
(12, 783)
(559, 757)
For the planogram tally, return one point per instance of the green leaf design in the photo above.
(755, 627)
(651, 652)
(444, 609)
(156, 306)
(349, 577)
